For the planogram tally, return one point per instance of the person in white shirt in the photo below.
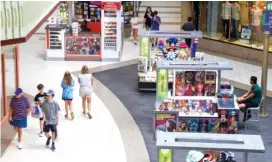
(86, 89)
(135, 26)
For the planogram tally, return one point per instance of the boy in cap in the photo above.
(50, 110)
(19, 109)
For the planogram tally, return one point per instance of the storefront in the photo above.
(240, 23)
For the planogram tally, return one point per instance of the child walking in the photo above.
(135, 26)
(67, 85)
(50, 110)
(39, 98)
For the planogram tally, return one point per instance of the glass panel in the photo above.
(10, 76)
(242, 22)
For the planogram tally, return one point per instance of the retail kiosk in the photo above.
(170, 46)
(91, 45)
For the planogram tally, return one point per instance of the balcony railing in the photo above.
(19, 18)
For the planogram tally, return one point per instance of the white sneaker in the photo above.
(19, 146)
(41, 134)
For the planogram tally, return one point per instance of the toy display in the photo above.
(227, 121)
(166, 122)
(196, 125)
(192, 83)
(197, 156)
(82, 45)
(225, 101)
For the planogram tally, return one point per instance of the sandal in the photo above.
(89, 115)
(84, 112)
(66, 116)
(72, 116)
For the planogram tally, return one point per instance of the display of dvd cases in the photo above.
(110, 30)
(90, 11)
(54, 39)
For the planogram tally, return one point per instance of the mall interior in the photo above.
(164, 101)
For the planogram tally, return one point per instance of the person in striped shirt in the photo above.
(19, 109)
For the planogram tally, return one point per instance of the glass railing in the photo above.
(18, 18)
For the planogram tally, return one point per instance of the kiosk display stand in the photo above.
(170, 46)
(195, 103)
(111, 27)
(55, 42)
(167, 143)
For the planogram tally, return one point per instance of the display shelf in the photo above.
(82, 47)
(212, 98)
(203, 115)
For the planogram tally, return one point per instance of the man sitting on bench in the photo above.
(250, 99)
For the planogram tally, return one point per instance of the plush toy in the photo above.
(160, 44)
(183, 45)
(172, 41)
(171, 55)
(194, 48)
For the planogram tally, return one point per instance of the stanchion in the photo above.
(263, 112)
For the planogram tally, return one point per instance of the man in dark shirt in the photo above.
(252, 98)
(156, 21)
(188, 26)
(39, 98)
(84, 27)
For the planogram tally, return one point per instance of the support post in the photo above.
(263, 112)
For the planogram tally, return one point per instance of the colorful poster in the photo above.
(162, 84)
(179, 83)
(144, 47)
(165, 155)
(166, 122)
(268, 17)
(227, 123)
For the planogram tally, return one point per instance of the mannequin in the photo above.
(226, 15)
(256, 16)
(235, 19)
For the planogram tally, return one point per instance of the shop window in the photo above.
(242, 22)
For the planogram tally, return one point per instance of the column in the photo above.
(212, 18)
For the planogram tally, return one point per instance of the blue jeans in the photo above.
(235, 25)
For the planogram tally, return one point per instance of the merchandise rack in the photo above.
(147, 79)
(167, 143)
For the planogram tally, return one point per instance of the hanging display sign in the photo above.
(162, 84)
(113, 6)
(144, 47)
(268, 17)
(165, 155)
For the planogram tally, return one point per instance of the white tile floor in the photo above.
(98, 139)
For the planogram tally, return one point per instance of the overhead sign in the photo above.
(111, 6)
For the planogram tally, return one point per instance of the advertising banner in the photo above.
(165, 155)
(162, 84)
(268, 17)
(144, 47)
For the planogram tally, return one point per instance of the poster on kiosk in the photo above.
(111, 31)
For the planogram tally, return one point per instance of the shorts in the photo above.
(67, 99)
(188, 42)
(85, 92)
(249, 104)
(147, 27)
(49, 127)
(21, 123)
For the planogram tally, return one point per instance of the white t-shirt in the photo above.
(85, 81)
(135, 22)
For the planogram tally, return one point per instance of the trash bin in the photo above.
(127, 31)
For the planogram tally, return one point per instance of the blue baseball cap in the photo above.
(50, 92)
(18, 91)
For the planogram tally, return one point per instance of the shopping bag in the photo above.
(36, 111)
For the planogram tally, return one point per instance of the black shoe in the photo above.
(48, 141)
(249, 116)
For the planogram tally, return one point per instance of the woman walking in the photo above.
(86, 89)
(148, 18)
(135, 26)
(67, 85)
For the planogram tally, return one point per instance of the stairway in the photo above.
(169, 11)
